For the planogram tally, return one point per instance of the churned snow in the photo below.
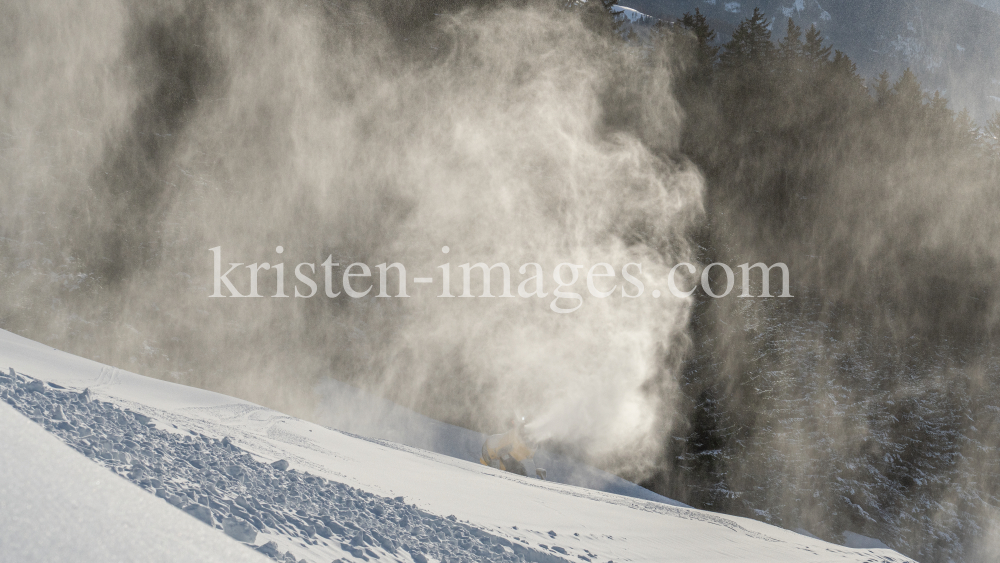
(56, 505)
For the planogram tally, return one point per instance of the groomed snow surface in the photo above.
(188, 475)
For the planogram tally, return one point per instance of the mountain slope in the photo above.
(215, 453)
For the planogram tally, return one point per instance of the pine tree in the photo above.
(966, 129)
(750, 48)
(843, 65)
(843, 69)
(705, 36)
(790, 47)
(815, 53)
(907, 88)
(939, 107)
(882, 88)
(907, 94)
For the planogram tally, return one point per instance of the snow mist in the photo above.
(137, 135)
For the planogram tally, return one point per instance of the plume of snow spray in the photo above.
(139, 135)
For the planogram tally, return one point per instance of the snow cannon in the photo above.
(509, 451)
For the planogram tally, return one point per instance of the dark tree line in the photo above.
(868, 402)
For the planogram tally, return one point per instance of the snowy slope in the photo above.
(545, 521)
(352, 410)
(633, 16)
